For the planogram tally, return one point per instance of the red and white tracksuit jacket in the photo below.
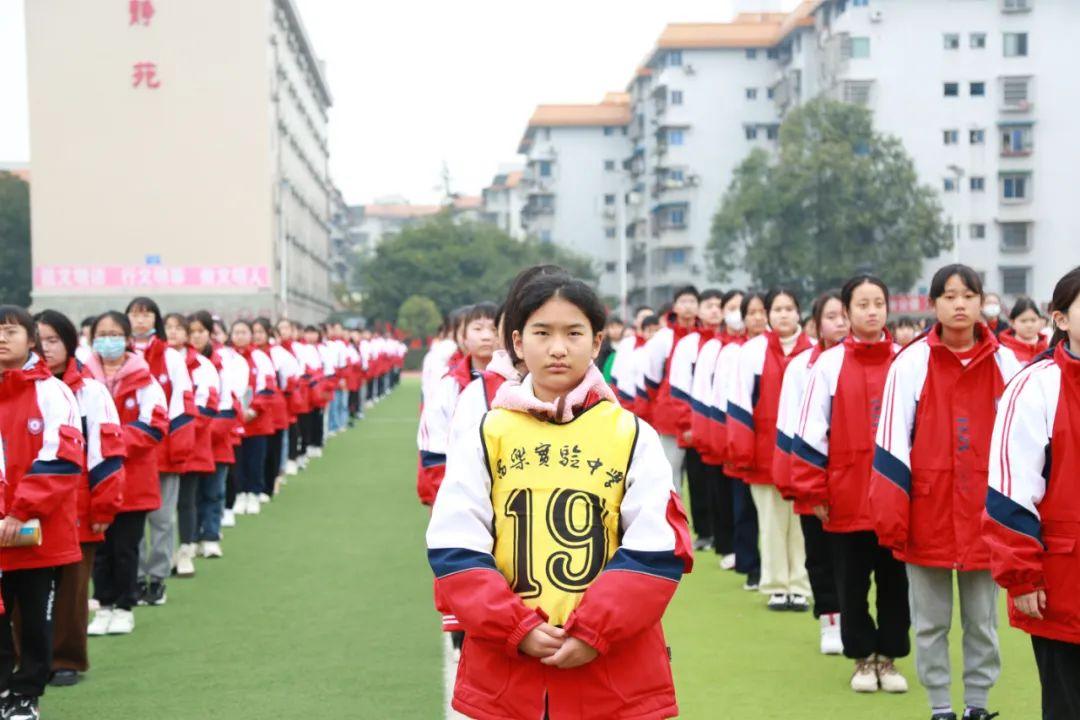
(288, 372)
(45, 457)
(623, 372)
(669, 372)
(169, 367)
(1024, 353)
(228, 427)
(618, 614)
(725, 375)
(833, 444)
(754, 404)
(262, 385)
(433, 434)
(206, 382)
(928, 486)
(702, 412)
(102, 486)
(792, 393)
(1032, 516)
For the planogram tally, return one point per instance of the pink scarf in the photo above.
(518, 396)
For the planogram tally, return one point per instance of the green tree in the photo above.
(837, 200)
(14, 240)
(453, 263)
(419, 316)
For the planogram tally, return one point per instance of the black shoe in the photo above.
(64, 678)
(975, 713)
(155, 593)
(943, 716)
(141, 593)
(752, 583)
(704, 543)
(21, 707)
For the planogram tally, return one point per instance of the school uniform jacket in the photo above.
(506, 558)
(792, 393)
(287, 370)
(1032, 516)
(45, 458)
(262, 386)
(928, 486)
(623, 376)
(226, 428)
(669, 371)
(169, 367)
(433, 434)
(1024, 352)
(754, 405)
(702, 412)
(207, 396)
(102, 484)
(833, 447)
(725, 376)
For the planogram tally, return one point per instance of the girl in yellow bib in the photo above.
(556, 539)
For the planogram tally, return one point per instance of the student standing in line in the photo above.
(991, 313)
(235, 374)
(223, 426)
(286, 373)
(623, 375)
(832, 455)
(1024, 337)
(929, 482)
(752, 416)
(1032, 516)
(100, 491)
(258, 414)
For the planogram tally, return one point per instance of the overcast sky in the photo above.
(420, 82)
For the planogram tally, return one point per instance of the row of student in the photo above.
(136, 429)
(769, 413)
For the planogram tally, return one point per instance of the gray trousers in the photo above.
(931, 597)
(676, 457)
(156, 552)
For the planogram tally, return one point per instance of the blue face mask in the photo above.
(110, 348)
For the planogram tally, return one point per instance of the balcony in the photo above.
(538, 205)
(1016, 94)
(1016, 6)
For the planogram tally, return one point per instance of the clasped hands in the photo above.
(553, 647)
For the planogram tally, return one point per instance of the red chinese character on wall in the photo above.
(140, 11)
(145, 73)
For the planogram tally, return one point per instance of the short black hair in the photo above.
(1065, 293)
(848, 291)
(482, 311)
(268, 327)
(546, 287)
(639, 308)
(1021, 306)
(62, 325)
(665, 310)
(685, 290)
(729, 296)
(710, 294)
(204, 318)
(87, 322)
(120, 318)
(614, 320)
(778, 291)
(145, 304)
(748, 298)
(968, 276)
(817, 311)
(314, 329)
(908, 322)
(649, 321)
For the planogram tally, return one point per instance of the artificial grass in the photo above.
(321, 606)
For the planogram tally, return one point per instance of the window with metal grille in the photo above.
(1015, 236)
(1014, 280)
(857, 92)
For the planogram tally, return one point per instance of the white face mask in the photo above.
(733, 320)
(991, 311)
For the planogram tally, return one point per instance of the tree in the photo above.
(839, 199)
(419, 316)
(14, 240)
(453, 263)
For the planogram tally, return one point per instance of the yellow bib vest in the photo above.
(557, 491)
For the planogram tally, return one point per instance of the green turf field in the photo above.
(322, 608)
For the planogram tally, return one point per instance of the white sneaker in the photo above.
(778, 602)
(889, 677)
(264, 498)
(211, 549)
(314, 452)
(93, 605)
(122, 622)
(291, 467)
(239, 506)
(727, 562)
(865, 678)
(228, 519)
(254, 507)
(831, 644)
(302, 461)
(100, 624)
(185, 561)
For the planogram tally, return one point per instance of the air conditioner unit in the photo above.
(876, 16)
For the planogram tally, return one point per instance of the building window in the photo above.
(547, 133)
(751, 53)
(1016, 140)
(676, 174)
(952, 137)
(545, 236)
(952, 41)
(677, 218)
(978, 89)
(675, 136)
(1014, 92)
(772, 132)
(674, 58)
(609, 232)
(1015, 187)
(751, 93)
(860, 47)
(978, 231)
(977, 137)
(547, 201)
(1016, 44)
(978, 41)
(675, 257)
(857, 92)
(751, 132)
(609, 165)
(952, 89)
(860, 3)
(978, 183)
(772, 53)
(676, 97)
(610, 267)
(949, 184)
(609, 200)
(545, 168)
(609, 130)
(1015, 5)
(1015, 237)
(770, 93)
(1014, 280)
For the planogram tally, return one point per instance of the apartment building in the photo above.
(504, 200)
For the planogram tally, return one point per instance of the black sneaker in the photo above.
(155, 593)
(943, 716)
(752, 583)
(21, 707)
(977, 713)
(140, 594)
(64, 678)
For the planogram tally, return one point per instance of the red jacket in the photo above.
(833, 448)
(753, 411)
(102, 485)
(928, 486)
(207, 396)
(45, 454)
(434, 431)
(262, 384)
(668, 412)
(1032, 517)
(727, 364)
(1024, 353)
(279, 401)
(175, 448)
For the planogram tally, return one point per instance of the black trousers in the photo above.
(698, 477)
(296, 439)
(856, 557)
(231, 483)
(722, 510)
(313, 428)
(30, 593)
(116, 565)
(354, 403)
(1059, 673)
(819, 565)
(747, 555)
(273, 460)
(187, 507)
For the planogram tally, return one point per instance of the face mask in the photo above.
(992, 311)
(110, 348)
(733, 320)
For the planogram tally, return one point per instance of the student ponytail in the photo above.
(1065, 293)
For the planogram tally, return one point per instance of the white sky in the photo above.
(419, 82)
